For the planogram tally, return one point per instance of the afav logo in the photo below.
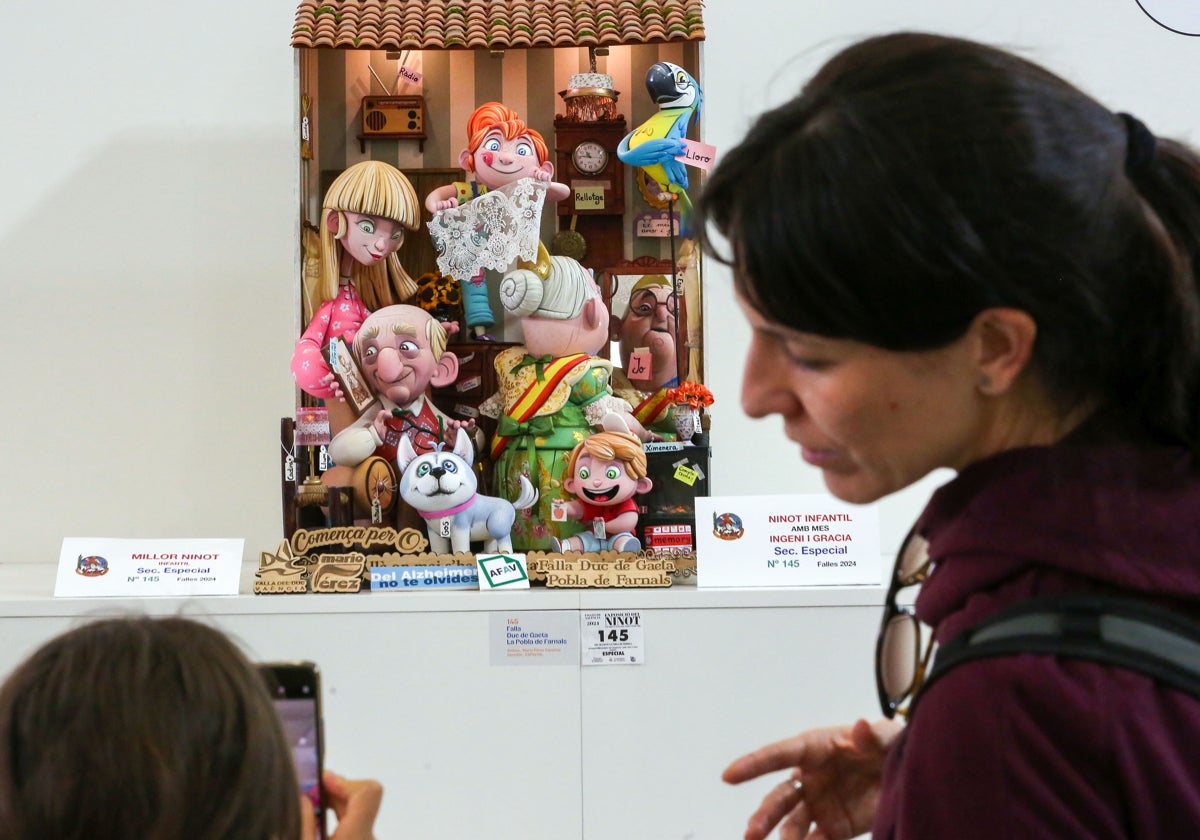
(91, 566)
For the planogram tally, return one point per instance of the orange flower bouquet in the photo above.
(690, 393)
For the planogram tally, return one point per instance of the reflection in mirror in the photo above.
(648, 323)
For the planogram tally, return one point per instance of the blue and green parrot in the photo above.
(654, 144)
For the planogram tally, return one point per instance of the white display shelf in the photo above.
(27, 589)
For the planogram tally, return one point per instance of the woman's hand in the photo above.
(839, 768)
(354, 801)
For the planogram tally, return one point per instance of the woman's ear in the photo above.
(1004, 339)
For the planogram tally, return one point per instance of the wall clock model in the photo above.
(589, 157)
(586, 160)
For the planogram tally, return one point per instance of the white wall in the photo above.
(147, 239)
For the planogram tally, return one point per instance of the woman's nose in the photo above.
(764, 389)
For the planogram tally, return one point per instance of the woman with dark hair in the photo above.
(950, 257)
(156, 729)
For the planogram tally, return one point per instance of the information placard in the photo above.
(800, 540)
(99, 566)
(540, 637)
(612, 637)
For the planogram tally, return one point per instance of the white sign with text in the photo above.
(612, 637)
(801, 540)
(101, 566)
(535, 637)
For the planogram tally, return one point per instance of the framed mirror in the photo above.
(648, 310)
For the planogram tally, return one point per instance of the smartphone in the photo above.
(295, 687)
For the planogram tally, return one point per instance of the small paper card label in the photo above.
(409, 75)
(612, 637)
(651, 224)
(799, 540)
(502, 571)
(639, 364)
(588, 196)
(558, 510)
(697, 154)
(471, 383)
(135, 568)
(598, 529)
(397, 578)
(686, 474)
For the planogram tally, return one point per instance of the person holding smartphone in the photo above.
(156, 728)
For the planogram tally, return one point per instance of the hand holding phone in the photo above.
(295, 688)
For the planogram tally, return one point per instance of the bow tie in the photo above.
(539, 364)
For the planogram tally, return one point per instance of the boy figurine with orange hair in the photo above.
(501, 150)
(606, 471)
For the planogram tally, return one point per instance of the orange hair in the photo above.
(496, 116)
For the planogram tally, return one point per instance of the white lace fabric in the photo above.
(492, 231)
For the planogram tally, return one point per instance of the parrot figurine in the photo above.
(654, 144)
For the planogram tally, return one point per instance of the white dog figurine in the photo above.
(441, 485)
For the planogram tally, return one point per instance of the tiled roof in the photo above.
(495, 24)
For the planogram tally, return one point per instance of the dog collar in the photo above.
(440, 514)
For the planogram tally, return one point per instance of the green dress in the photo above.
(541, 447)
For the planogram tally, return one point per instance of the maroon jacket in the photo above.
(1032, 746)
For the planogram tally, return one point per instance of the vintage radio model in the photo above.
(393, 117)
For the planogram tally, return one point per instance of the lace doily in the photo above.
(491, 231)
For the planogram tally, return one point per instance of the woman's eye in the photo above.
(398, 236)
(524, 151)
(612, 473)
(492, 145)
(366, 225)
(803, 360)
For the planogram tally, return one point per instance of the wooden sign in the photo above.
(337, 573)
(605, 569)
(281, 573)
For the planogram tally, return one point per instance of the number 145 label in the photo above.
(612, 637)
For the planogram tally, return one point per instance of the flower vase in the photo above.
(687, 420)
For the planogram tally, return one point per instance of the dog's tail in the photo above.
(528, 496)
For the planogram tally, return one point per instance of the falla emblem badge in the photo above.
(91, 566)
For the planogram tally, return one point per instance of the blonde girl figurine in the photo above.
(364, 215)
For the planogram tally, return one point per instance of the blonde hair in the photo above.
(372, 188)
(612, 446)
(561, 295)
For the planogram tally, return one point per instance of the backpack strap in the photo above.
(1121, 632)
